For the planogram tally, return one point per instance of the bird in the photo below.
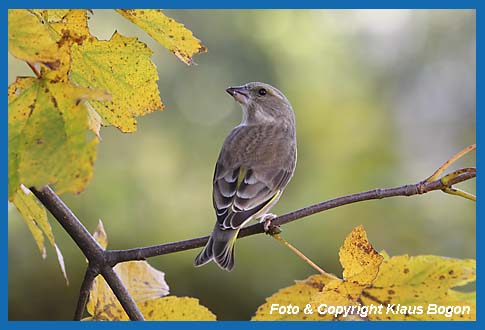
(255, 164)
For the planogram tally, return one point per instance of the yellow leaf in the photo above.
(361, 265)
(70, 24)
(60, 260)
(100, 235)
(122, 66)
(380, 287)
(337, 293)
(166, 31)
(35, 216)
(146, 285)
(420, 282)
(67, 27)
(94, 120)
(176, 309)
(358, 258)
(142, 281)
(297, 295)
(30, 40)
(47, 139)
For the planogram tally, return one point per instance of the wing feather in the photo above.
(238, 200)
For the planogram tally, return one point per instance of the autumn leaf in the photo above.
(42, 138)
(143, 282)
(166, 31)
(123, 67)
(30, 40)
(147, 286)
(358, 258)
(100, 235)
(35, 217)
(421, 281)
(405, 288)
(68, 27)
(298, 294)
(69, 24)
(47, 141)
(176, 309)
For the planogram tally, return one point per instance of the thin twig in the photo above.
(302, 256)
(86, 286)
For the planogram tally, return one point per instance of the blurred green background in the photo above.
(381, 97)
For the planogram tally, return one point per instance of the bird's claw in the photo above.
(268, 228)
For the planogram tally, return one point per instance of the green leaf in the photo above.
(48, 144)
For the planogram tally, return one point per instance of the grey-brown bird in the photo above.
(256, 162)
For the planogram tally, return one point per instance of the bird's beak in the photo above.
(240, 94)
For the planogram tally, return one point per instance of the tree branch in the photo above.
(88, 245)
(86, 286)
(115, 256)
(121, 292)
(81, 236)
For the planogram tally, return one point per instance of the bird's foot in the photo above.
(268, 228)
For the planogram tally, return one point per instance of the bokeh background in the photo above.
(382, 98)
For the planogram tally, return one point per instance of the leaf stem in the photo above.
(34, 69)
(302, 256)
(450, 161)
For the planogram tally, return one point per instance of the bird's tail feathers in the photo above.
(206, 255)
(219, 248)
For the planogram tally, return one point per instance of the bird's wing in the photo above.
(239, 193)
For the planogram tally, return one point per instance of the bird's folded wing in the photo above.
(240, 193)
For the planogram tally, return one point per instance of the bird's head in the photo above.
(262, 102)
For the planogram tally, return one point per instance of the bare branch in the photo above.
(83, 238)
(121, 292)
(116, 256)
(86, 286)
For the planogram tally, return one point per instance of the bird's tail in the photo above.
(219, 248)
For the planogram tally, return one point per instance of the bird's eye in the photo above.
(262, 91)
